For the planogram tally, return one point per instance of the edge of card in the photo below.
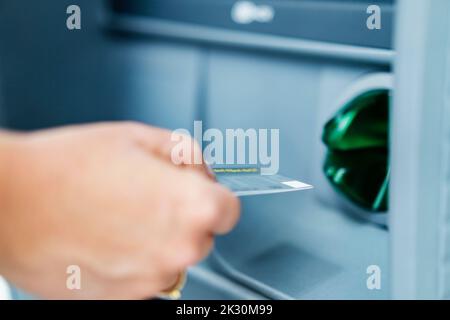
(299, 187)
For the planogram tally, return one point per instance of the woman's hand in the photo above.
(108, 199)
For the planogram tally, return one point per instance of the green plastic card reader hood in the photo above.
(357, 141)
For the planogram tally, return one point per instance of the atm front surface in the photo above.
(290, 65)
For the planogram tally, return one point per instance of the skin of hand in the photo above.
(107, 198)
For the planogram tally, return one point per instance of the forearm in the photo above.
(4, 156)
(7, 142)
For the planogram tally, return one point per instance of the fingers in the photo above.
(224, 208)
(203, 209)
(184, 151)
(164, 143)
(209, 206)
(218, 209)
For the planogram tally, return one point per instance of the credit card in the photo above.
(249, 181)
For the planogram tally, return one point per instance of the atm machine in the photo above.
(286, 65)
(291, 65)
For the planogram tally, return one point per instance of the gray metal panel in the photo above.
(419, 199)
(52, 76)
(240, 39)
(304, 245)
(1, 102)
(334, 21)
